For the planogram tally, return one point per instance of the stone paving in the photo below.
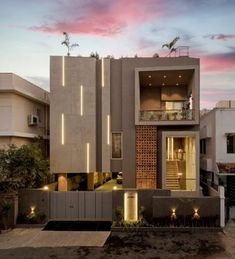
(35, 237)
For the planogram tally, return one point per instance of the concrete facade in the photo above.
(91, 99)
(215, 127)
(20, 99)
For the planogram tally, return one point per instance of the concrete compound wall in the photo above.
(207, 206)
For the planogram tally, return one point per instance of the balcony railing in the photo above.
(166, 115)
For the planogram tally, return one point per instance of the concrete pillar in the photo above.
(222, 206)
(62, 183)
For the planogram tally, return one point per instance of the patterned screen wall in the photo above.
(146, 157)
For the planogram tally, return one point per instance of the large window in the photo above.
(230, 144)
(116, 145)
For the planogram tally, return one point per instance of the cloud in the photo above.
(103, 18)
(220, 36)
(218, 62)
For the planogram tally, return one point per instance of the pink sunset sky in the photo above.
(31, 31)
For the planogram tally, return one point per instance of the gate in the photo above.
(81, 205)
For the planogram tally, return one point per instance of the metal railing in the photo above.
(166, 115)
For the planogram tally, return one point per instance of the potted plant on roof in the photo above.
(171, 46)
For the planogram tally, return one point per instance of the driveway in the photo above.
(35, 237)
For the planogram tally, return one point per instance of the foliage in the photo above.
(94, 55)
(66, 42)
(119, 213)
(32, 218)
(22, 167)
(171, 45)
(5, 208)
(155, 55)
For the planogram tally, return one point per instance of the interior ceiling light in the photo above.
(163, 84)
(150, 84)
(177, 84)
(180, 76)
(164, 76)
(150, 76)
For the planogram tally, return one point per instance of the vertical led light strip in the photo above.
(88, 157)
(172, 148)
(62, 129)
(81, 100)
(108, 129)
(63, 84)
(168, 148)
(102, 72)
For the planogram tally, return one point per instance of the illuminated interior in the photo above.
(166, 95)
(180, 163)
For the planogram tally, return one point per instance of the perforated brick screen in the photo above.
(146, 157)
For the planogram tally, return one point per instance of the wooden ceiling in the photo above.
(165, 78)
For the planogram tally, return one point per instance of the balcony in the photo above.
(167, 115)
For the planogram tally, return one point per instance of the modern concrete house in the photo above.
(138, 116)
(24, 111)
(217, 136)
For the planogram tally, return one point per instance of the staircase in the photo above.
(172, 181)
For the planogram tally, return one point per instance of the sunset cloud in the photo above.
(218, 62)
(104, 18)
(220, 36)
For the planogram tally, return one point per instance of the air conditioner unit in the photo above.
(32, 120)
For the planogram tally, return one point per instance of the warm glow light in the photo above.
(180, 76)
(173, 214)
(150, 76)
(114, 188)
(102, 72)
(63, 84)
(88, 157)
(131, 206)
(81, 100)
(62, 129)
(45, 188)
(108, 129)
(177, 84)
(163, 84)
(196, 215)
(150, 84)
(164, 76)
(32, 210)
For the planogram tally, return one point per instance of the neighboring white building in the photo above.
(217, 146)
(24, 111)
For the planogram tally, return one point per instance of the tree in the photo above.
(22, 167)
(94, 55)
(66, 42)
(171, 45)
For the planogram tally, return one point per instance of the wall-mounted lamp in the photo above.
(32, 210)
(173, 214)
(45, 188)
(196, 215)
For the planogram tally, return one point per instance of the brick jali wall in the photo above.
(146, 157)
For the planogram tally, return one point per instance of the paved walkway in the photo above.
(35, 237)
